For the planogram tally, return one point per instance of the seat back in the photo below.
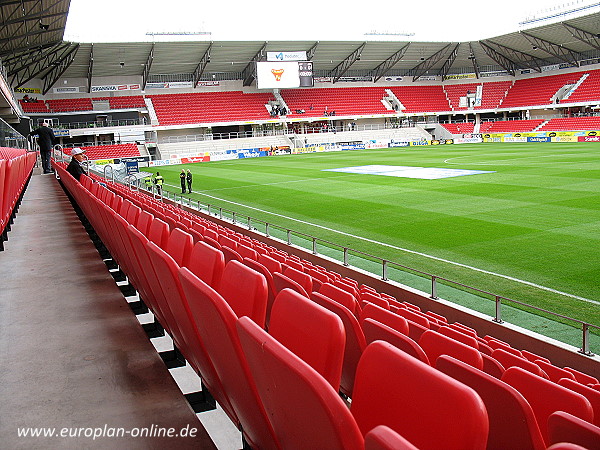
(303, 408)
(311, 332)
(554, 373)
(255, 265)
(300, 277)
(377, 331)
(591, 394)
(179, 246)
(158, 232)
(282, 282)
(512, 422)
(245, 290)
(392, 320)
(207, 263)
(355, 340)
(435, 344)
(384, 438)
(270, 263)
(428, 408)
(341, 296)
(546, 397)
(565, 427)
(491, 366)
(509, 359)
(219, 337)
(459, 336)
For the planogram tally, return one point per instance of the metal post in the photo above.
(289, 237)
(498, 317)
(249, 223)
(384, 270)
(346, 257)
(220, 213)
(314, 245)
(233, 216)
(585, 341)
(433, 287)
(267, 229)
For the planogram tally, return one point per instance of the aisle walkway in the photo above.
(74, 357)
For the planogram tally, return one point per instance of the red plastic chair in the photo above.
(565, 427)
(546, 397)
(377, 331)
(512, 422)
(435, 344)
(216, 323)
(591, 394)
(355, 340)
(341, 296)
(428, 408)
(255, 265)
(311, 332)
(282, 282)
(207, 263)
(392, 320)
(303, 408)
(245, 290)
(300, 277)
(583, 378)
(384, 438)
(179, 246)
(508, 359)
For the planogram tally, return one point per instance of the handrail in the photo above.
(249, 222)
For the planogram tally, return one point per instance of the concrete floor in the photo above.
(73, 354)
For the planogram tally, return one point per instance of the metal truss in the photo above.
(423, 67)
(559, 51)
(449, 61)
(511, 59)
(90, 69)
(474, 60)
(387, 65)
(249, 72)
(26, 66)
(584, 36)
(339, 70)
(147, 67)
(201, 67)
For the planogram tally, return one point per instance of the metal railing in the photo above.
(343, 253)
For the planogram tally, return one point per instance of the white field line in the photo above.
(425, 255)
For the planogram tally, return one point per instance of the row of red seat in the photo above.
(95, 152)
(527, 125)
(16, 166)
(276, 337)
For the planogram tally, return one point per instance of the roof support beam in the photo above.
(473, 60)
(339, 70)
(147, 66)
(202, 66)
(564, 54)
(58, 69)
(449, 61)
(90, 69)
(387, 65)
(518, 58)
(249, 72)
(583, 36)
(423, 67)
(27, 61)
(310, 53)
(505, 62)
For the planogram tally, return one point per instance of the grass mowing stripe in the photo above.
(384, 244)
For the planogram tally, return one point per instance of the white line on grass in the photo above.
(425, 255)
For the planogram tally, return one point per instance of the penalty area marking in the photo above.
(425, 255)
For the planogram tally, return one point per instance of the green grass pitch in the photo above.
(535, 219)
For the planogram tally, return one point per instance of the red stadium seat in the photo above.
(565, 427)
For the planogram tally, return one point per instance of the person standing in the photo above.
(182, 180)
(158, 181)
(189, 181)
(75, 168)
(46, 140)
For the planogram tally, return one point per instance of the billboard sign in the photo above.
(286, 56)
(277, 75)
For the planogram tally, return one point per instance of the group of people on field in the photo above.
(158, 181)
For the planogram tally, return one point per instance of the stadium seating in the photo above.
(565, 427)
(428, 98)
(572, 123)
(510, 126)
(587, 91)
(384, 438)
(109, 151)
(459, 128)
(150, 258)
(70, 104)
(512, 422)
(537, 90)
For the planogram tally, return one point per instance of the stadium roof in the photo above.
(30, 51)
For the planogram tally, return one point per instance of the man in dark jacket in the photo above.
(75, 168)
(46, 140)
(182, 180)
(189, 181)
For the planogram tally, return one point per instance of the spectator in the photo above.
(75, 168)
(46, 140)
(189, 181)
(182, 180)
(158, 181)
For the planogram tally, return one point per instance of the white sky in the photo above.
(430, 20)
